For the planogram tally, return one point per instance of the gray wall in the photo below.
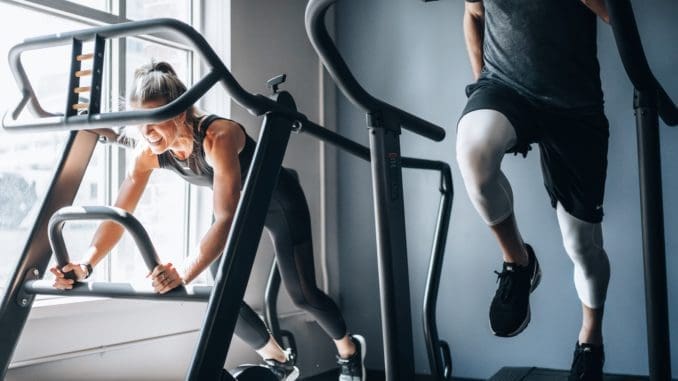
(412, 54)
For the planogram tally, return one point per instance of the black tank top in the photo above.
(195, 168)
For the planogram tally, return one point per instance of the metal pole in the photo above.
(654, 259)
(439, 356)
(271, 301)
(391, 251)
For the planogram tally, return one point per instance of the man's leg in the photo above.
(583, 242)
(483, 136)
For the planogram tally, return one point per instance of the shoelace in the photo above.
(505, 281)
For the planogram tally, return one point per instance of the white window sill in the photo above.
(69, 326)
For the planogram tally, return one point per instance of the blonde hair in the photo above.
(158, 82)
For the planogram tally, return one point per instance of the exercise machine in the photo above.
(384, 123)
(208, 362)
(650, 101)
(280, 118)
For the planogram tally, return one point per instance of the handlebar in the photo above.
(336, 66)
(255, 104)
(121, 216)
(633, 57)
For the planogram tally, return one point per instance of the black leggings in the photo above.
(288, 223)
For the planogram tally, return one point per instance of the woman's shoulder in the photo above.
(219, 127)
(223, 130)
(210, 121)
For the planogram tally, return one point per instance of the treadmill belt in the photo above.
(541, 374)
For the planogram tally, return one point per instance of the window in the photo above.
(25, 176)
(96, 4)
(144, 9)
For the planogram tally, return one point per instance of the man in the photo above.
(538, 81)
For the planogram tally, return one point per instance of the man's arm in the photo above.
(474, 23)
(598, 7)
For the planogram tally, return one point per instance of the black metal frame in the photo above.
(280, 119)
(650, 101)
(384, 122)
(106, 289)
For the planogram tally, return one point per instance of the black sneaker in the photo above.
(587, 364)
(285, 371)
(510, 308)
(353, 368)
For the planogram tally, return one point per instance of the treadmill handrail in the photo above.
(255, 104)
(336, 66)
(80, 213)
(633, 57)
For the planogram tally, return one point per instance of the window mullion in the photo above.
(118, 165)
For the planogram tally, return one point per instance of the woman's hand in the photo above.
(61, 282)
(165, 278)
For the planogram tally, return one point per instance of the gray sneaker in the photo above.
(353, 368)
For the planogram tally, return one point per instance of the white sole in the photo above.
(294, 375)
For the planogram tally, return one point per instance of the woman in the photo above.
(216, 152)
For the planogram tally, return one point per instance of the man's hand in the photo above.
(165, 278)
(598, 7)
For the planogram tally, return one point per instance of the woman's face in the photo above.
(160, 136)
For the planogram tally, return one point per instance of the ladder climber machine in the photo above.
(384, 123)
(280, 119)
(650, 101)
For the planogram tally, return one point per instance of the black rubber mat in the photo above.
(371, 376)
(541, 374)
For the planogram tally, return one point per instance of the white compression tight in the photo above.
(583, 242)
(483, 136)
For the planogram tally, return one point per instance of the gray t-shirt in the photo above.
(545, 49)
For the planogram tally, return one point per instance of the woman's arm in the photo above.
(131, 190)
(108, 234)
(474, 23)
(222, 144)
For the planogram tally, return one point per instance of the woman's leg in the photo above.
(252, 330)
(289, 225)
(483, 137)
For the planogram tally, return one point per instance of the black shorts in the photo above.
(573, 144)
